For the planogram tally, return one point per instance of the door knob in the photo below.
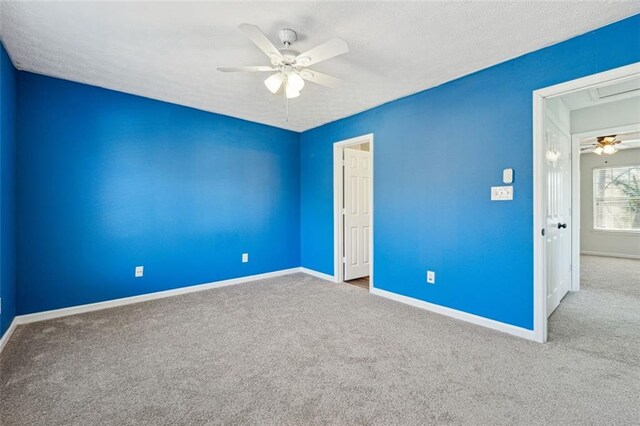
(561, 225)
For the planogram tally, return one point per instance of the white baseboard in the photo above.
(7, 334)
(317, 274)
(601, 253)
(454, 313)
(74, 310)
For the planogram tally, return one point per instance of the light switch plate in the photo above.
(507, 176)
(501, 193)
(245, 257)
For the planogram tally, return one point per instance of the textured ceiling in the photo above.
(169, 50)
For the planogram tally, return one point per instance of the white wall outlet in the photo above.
(501, 193)
(139, 271)
(245, 257)
(431, 277)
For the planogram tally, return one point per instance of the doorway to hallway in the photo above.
(353, 211)
(561, 114)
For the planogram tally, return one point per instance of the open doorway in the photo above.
(353, 211)
(586, 173)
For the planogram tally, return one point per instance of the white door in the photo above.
(357, 217)
(558, 215)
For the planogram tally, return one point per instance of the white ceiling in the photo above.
(629, 88)
(169, 50)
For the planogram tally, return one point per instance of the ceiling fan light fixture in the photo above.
(288, 64)
(606, 145)
(294, 82)
(274, 82)
(291, 93)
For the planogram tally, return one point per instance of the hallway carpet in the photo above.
(298, 350)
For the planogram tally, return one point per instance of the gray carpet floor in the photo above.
(298, 350)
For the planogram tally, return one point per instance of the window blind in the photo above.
(616, 198)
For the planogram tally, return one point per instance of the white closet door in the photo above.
(357, 215)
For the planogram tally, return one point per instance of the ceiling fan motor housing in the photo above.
(287, 36)
(289, 55)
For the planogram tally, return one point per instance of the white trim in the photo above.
(614, 167)
(629, 232)
(577, 194)
(539, 194)
(74, 310)
(604, 254)
(7, 334)
(460, 315)
(317, 274)
(590, 81)
(338, 177)
(539, 266)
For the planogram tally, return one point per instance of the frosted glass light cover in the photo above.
(295, 82)
(291, 93)
(274, 82)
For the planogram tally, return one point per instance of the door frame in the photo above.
(575, 187)
(338, 205)
(539, 193)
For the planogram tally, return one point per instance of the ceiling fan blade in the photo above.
(321, 79)
(254, 68)
(259, 39)
(330, 49)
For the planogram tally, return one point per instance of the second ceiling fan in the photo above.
(604, 145)
(290, 66)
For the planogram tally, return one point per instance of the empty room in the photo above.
(319, 212)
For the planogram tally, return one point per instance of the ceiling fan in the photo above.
(604, 145)
(289, 66)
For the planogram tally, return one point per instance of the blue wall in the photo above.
(436, 155)
(7, 190)
(108, 181)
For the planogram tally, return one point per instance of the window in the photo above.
(616, 198)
